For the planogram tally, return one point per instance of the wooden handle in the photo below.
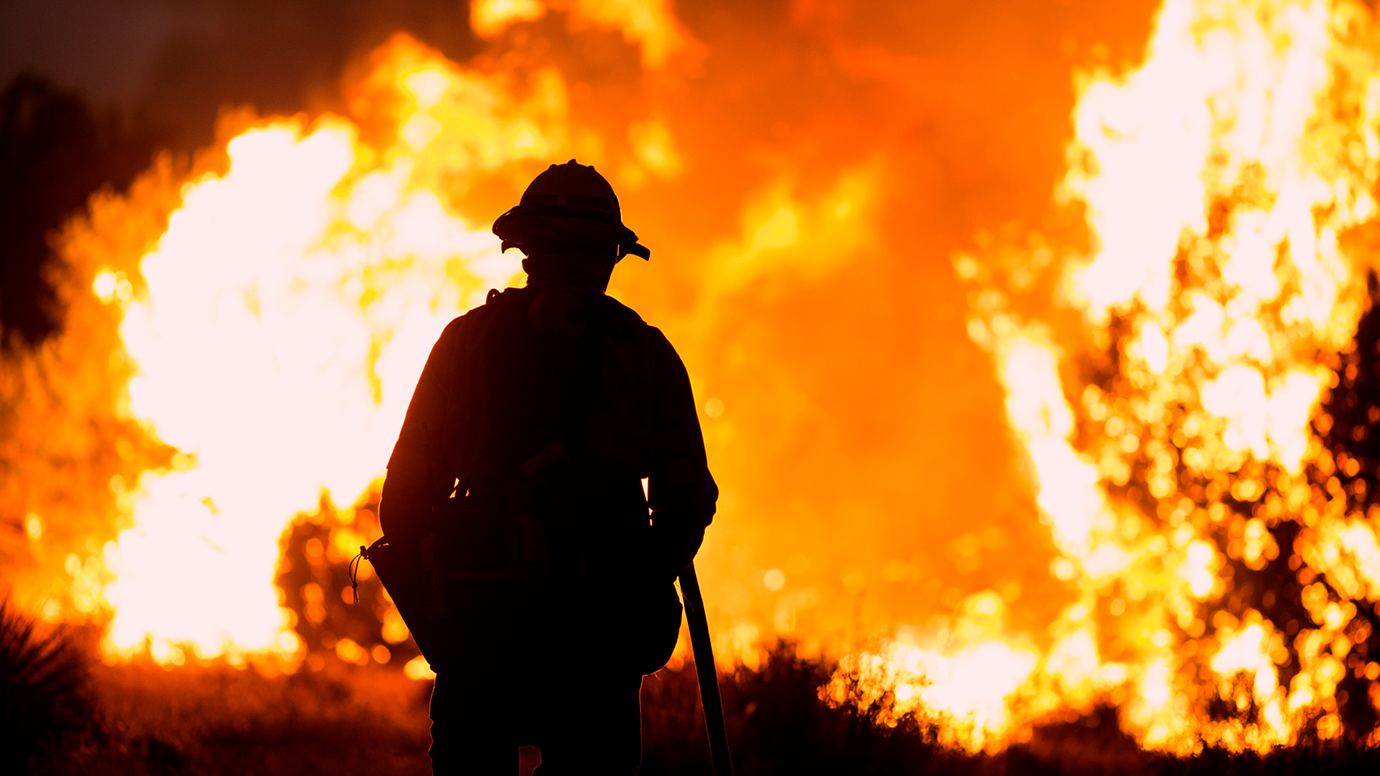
(708, 675)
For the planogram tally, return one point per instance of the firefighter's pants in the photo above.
(584, 722)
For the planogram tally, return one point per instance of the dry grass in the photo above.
(143, 719)
(221, 720)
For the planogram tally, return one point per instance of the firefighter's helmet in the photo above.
(568, 204)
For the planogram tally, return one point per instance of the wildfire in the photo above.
(1170, 368)
(1167, 389)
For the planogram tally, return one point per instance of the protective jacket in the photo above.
(536, 422)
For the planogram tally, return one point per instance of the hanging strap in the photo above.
(354, 564)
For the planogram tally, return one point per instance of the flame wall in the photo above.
(1188, 389)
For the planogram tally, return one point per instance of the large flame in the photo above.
(1167, 425)
(286, 312)
(1163, 362)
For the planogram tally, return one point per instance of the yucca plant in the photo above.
(42, 687)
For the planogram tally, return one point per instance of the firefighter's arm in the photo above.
(410, 489)
(681, 492)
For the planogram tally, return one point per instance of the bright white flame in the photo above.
(279, 351)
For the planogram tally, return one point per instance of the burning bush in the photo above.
(314, 577)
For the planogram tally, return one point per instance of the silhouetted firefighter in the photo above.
(521, 551)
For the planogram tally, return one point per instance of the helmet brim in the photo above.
(556, 225)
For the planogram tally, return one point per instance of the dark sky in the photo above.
(175, 62)
(105, 49)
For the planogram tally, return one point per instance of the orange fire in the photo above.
(1163, 363)
(1166, 386)
(282, 318)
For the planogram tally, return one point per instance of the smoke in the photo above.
(179, 62)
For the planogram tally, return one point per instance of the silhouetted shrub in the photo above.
(42, 688)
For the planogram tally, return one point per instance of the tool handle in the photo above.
(708, 675)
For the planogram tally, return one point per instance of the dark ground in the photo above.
(140, 719)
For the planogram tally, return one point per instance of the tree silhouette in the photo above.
(54, 152)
